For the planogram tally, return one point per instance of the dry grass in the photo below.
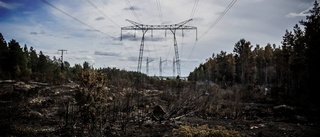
(205, 131)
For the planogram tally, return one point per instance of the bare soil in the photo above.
(39, 109)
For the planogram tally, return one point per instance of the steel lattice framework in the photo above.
(173, 28)
(148, 61)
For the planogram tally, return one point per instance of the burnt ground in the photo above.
(39, 109)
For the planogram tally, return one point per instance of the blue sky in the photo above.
(87, 28)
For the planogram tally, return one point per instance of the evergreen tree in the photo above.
(260, 64)
(297, 60)
(243, 53)
(42, 67)
(15, 59)
(25, 70)
(86, 65)
(312, 39)
(3, 58)
(268, 64)
(33, 62)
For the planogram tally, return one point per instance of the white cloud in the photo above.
(300, 14)
(9, 5)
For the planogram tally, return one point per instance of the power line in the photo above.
(133, 11)
(94, 6)
(76, 19)
(159, 10)
(85, 24)
(155, 50)
(182, 43)
(219, 18)
(194, 8)
(125, 47)
(194, 45)
(214, 23)
(168, 51)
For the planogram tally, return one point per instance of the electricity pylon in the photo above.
(160, 67)
(173, 28)
(62, 63)
(148, 61)
(173, 67)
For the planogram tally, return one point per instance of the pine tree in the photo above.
(3, 58)
(243, 55)
(312, 38)
(15, 59)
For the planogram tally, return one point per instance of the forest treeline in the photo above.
(291, 68)
(21, 63)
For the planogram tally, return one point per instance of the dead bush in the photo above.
(221, 103)
(92, 101)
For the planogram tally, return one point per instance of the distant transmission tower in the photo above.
(160, 67)
(144, 28)
(62, 50)
(148, 61)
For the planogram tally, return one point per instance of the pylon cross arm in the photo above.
(139, 26)
(160, 27)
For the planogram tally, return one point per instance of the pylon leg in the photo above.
(176, 53)
(141, 51)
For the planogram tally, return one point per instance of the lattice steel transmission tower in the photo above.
(160, 67)
(148, 61)
(62, 63)
(173, 28)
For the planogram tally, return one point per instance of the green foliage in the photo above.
(3, 58)
(92, 87)
(25, 64)
(92, 97)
